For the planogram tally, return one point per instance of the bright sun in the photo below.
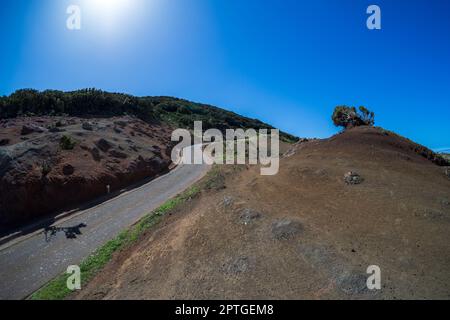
(111, 15)
(108, 7)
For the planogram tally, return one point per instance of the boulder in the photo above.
(68, 170)
(31, 128)
(56, 129)
(118, 154)
(353, 178)
(87, 126)
(121, 123)
(96, 154)
(104, 145)
(5, 162)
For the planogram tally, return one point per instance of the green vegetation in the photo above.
(67, 143)
(437, 158)
(92, 102)
(349, 117)
(446, 156)
(46, 168)
(57, 288)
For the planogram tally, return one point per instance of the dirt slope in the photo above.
(302, 234)
(38, 175)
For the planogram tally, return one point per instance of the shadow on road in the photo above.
(70, 232)
(51, 218)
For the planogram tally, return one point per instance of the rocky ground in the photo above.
(51, 163)
(364, 197)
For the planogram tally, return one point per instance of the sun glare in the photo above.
(111, 15)
(109, 8)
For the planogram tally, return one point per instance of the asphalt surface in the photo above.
(27, 264)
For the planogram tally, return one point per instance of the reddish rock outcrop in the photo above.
(39, 178)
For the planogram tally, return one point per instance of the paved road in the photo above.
(30, 263)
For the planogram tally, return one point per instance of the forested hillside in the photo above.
(93, 102)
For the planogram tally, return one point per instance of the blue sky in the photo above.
(287, 62)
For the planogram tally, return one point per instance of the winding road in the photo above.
(27, 263)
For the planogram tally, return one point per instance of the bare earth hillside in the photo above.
(39, 174)
(302, 234)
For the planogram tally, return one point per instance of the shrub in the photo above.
(367, 116)
(46, 168)
(348, 117)
(67, 143)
